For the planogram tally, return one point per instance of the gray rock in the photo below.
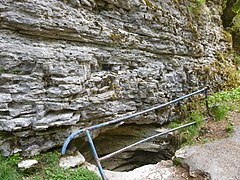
(219, 159)
(65, 65)
(71, 160)
(5, 98)
(26, 164)
(164, 170)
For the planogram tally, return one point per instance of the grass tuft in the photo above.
(47, 169)
(219, 112)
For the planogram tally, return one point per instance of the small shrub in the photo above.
(219, 112)
(229, 127)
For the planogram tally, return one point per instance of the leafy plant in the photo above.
(177, 161)
(225, 100)
(229, 127)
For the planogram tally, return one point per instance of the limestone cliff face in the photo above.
(70, 64)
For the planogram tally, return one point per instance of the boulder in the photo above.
(69, 161)
(27, 164)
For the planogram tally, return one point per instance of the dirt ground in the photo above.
(217, 129)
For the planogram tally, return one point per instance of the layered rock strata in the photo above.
(70, 64)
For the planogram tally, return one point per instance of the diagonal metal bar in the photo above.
(78, 132)
(144, 140)
(95, 155)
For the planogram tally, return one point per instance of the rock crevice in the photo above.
(70, 64)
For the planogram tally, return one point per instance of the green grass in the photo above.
(47, 169)
(188, 134)
(220, 103)
(8, 168)
(219, 112)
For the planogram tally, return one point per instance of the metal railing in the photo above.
(91, 128)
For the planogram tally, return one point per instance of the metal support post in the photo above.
(95, 155)
(206, 98)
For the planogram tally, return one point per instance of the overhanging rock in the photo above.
(66, 65)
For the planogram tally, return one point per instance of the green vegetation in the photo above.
(8, 167)
(225, 101)
(1, 69)
(200, 2)
(237, 59)
(220, 103)
(219, 112)
(236, 20)
(196, 6)
(189, 133)
(229, 127)
(13, 71)
(47, 169)
(177, 161)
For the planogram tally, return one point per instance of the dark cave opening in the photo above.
(150, 152)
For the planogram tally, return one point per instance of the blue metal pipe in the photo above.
(144, 140)
(70, 137)
(95, 155)
(78, 132)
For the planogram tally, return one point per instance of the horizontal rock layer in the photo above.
(70, 64)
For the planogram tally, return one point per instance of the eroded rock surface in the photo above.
(217, 160)
(70, 64)
(164, 170)
(71, 160)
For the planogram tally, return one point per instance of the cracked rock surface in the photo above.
(70, 64)
(219, 159)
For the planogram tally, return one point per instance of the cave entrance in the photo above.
(150, 152)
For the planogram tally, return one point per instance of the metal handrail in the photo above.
(88, 129)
